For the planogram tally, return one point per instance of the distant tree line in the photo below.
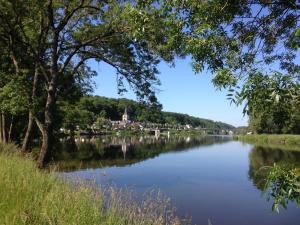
(90, 109)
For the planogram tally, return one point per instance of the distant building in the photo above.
(188, 126)
(124, 122)
(125, 117)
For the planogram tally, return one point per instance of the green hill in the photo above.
(94, 106)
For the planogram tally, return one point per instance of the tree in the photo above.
(270, 102)
(70, 113)
(13, 102)
(102, 120)
(294, 124)
(232, 37)
(238, 38)
(129, 36)
(13, 95)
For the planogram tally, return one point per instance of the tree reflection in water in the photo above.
(81, 153)
(277, 174)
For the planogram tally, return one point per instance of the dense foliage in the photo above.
(272, 103)
(259, 65)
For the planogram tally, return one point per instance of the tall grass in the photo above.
(31, 196)
(280, 139)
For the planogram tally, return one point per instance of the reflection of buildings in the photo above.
(157, 133)
(124, 148)
(103, 151)
(187, 139)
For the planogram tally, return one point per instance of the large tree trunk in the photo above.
(47, 128)
(46, 146)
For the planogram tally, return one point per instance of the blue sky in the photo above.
(181, 91)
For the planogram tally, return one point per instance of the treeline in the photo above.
(273, 103)
(90, 109)
(172, 117)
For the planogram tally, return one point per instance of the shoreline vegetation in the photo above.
(287, 141)
(29, 195)
(125, 133)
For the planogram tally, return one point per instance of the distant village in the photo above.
(107, 126)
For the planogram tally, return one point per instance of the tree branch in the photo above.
(79, 46)
(66, 19)
(39, 124)
(79, 64)
(50, 14)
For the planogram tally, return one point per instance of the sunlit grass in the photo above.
(31, 196)
(274, 139)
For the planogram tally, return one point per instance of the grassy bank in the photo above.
(31, 196)
(272, 139)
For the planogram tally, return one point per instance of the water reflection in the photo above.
(264, 156)
(276, 173)
(105, 151)
(206, 177)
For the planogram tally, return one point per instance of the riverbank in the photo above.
(272, 139)
(126, 133)
(31, 196)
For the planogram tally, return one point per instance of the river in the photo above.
(208, 178)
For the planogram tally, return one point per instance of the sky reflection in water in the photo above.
(206, 177)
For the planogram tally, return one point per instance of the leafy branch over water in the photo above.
(282, 185)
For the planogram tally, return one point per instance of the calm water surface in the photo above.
(206, 177)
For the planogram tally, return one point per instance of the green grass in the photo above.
(31, 196)
(273, 139)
